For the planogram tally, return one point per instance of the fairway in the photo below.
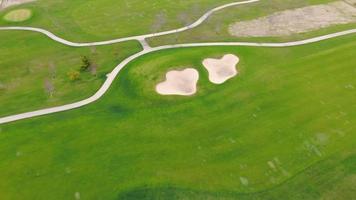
(177, 100)
(263, 127)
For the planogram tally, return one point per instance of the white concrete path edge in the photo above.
(141, 38)
(111, 77)
(138, 38)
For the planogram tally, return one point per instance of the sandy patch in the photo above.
(179, 83)
(295, 21)
(221, 70)
(351, 2)
(8, 3)
(18, 15)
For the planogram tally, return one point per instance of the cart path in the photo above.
(111, 76)
(118, 40)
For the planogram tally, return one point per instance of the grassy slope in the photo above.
(216, 27)
(330, 179)
(111, 18)
(25, 60)
(295, 104)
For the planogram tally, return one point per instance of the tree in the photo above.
(184, 18)
(49, 87)
(74, 75)
(85, 64)
(2, 86)
(93, 69)
(52, 70)
(218, 29)
(93, 50)
(3, 3)
(159, 22)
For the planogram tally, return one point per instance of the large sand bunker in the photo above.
(299, 20)
(179, 83)
(221, 70)
(8, 3)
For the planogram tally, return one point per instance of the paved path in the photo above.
(146, 49)
(111, 77)
(138, 38)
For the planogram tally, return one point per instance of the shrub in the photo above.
(85, 64)
(74, 75)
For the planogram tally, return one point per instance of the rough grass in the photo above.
(216, 27)
(30, 61)
(112, 18)
(290, 106)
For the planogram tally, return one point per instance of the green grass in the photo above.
(84, 20)
(25, 75)
(29, 60)
(294, 105)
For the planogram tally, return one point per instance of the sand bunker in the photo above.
(179, 83)
(221, 70)
(18, 15)
(8, 3)
(296, 21)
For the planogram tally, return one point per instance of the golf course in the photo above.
(164, 99)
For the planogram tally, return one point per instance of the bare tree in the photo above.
(196, 9)
(49, 87)
(93, 68)
(52, 70)
(218, 29)
(2, 86)
(93, 50)
(159, 22)
(3, 3)
(184, 18)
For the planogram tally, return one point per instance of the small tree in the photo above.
(52, 70)
(184, 18)
(218, 29)
(93, 50)
(159, 22)
(2, 86)
(49, 87)
(94, 69)
(74, 75)
(85, 64)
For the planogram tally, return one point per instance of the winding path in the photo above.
(138, 38)
(147, 49)
(111, 77)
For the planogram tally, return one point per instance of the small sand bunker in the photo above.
(7, 3)
(221, 70)
(179, 83)
(18, 15)
(295, 21)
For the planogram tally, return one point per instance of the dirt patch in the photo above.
(295, 21)
(179, 83)
(18, 15)
(221, 70)
(7, 3)
(351, 2)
